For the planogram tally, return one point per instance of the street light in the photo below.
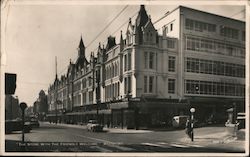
(192, 110)
(97, 90)
(23, 106)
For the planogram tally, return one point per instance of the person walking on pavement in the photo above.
(188, 128)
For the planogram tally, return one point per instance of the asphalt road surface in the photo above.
(59, 138)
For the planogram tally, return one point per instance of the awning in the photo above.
(230, 110)
(53, 115)
(118, 105)
(89, 112)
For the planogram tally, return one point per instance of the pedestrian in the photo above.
(108, 123)
(188, 128)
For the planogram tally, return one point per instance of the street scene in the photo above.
(138, 78)
(73, 138)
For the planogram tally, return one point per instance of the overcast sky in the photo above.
(32, 35)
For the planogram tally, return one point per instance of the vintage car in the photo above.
(16, 125)
(34, 123)
(179, 121)
(94, 126)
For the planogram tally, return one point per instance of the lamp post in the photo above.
(192, 110)
(23, 106)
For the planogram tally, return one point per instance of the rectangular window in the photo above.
(129, 84)
(125, 85)
(171, 27)
(229, 32)
(145, 60)
(151, 60)
(125, 63)
(199, 26)
(204, 45)
(129, 61)
(145, 84)
(90, 81)
(90, 96)
(151, 83)
(213, 88)
(84, 98)
(243, 36)
(171, 63)
(189, 24)
(171, 44)
(171, 86)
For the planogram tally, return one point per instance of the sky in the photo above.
(32, 35)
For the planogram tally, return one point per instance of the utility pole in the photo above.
(23, 106)
(98, 91)
(56, 89)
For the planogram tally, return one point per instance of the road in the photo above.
(78, 139)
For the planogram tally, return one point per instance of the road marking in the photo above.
(101, 149)
(96, 139)
(194, 145)
(162, 143)
(156, 145)
(178, 145)
(122, 148)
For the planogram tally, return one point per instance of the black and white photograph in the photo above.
(124, 78)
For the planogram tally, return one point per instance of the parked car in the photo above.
(241, 118)
(34, 123)
(94, 126)
(179, 121)
(16, 125)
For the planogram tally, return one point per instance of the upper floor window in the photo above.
(127, 85)
(151, 84)
(90, 81)
(208, 45)
(229, 32)
(145, 60)
(145, 84)
(84, 83)
(129, 61)
(151, 60)
(171, 86)
(199, 26)
(90, 96)
(171, 27)
(171, 44)
(125, 63)
(84, 98)
(171, 63)
(243, 36)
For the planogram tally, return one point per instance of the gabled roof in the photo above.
(142, 17)
(111, 43)
(149, 24)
